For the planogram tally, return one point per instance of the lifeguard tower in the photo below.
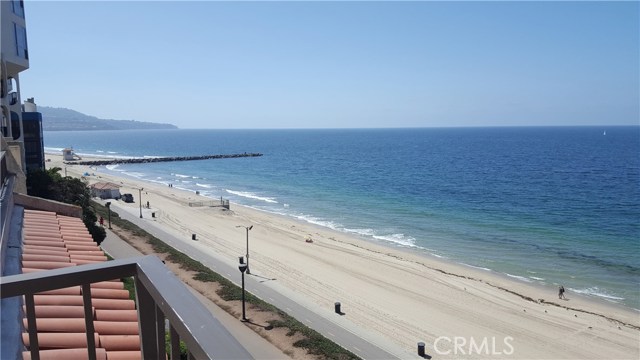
(69, 155)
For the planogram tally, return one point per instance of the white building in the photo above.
(105, 190)
(14, 58)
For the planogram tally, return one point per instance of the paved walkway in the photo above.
(257, 346)
(360, 341)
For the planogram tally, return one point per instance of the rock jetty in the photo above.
(158, 159)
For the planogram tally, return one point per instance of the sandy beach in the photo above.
(399, 295)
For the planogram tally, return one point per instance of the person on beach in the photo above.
(101, 221)
(561, 292)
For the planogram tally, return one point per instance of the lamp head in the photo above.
(250, 227)
(242, 267)
(108, 204)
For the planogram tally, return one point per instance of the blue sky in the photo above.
(338, 64)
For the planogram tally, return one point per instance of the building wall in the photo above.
(14, 58)
(14, 37)
(33, 142)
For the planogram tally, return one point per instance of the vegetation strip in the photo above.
(313, 341)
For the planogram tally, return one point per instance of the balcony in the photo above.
(160, 298)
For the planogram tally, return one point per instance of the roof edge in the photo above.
(36, 203)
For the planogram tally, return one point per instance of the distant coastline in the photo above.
(63, 119)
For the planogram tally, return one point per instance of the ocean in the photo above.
(543, 205)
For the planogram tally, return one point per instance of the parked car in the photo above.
(128, 198)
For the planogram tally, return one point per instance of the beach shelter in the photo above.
(105, 190)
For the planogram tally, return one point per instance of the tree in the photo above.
(49, 184)
(41, 182)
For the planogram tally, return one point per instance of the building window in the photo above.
(12, 88)
(18, 8)
(15, 125)
(21, 41)
(5, 121)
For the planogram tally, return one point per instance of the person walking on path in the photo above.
(561, 293)
(101, 221)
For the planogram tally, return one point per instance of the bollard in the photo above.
(421, 349)
(193, 236)
(337, 308)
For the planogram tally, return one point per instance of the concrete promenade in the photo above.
(258, 347)
(338, 328)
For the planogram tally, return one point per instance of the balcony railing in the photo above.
(160, 295)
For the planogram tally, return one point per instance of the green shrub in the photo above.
(49, 184)
(184, 353)
(313, 341)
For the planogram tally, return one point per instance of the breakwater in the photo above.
(158, 159)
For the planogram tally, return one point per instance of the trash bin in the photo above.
(153, 214)
(421, 351)
(337, 308)
(193, 236)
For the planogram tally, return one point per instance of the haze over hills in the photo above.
(63, 119)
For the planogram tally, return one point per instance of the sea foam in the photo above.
(595, 291)
(251, 195)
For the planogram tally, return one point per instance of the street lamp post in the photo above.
(140, 200)
(108, 205)
(243, 268)
(248, 228)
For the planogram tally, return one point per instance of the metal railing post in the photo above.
(88, 321)
(160, 333)
(175, 342)
(34, 348)
(147, 322)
